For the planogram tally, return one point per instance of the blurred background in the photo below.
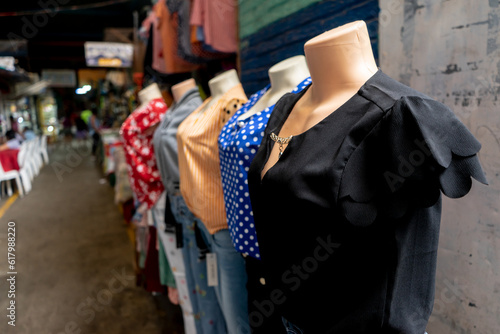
(66, 62)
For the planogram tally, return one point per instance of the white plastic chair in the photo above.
(36, 154)
(26, 161)
(25, 170)
(30, 161)
(43, 149)
(11, 175)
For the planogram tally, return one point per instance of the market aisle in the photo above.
(74, 258)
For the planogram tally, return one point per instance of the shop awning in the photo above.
(33, 89)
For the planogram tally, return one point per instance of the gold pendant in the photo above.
(281, 141)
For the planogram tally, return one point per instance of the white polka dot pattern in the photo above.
(238, 144)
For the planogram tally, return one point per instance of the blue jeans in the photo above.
(208, 313)
(292, 329)
(231, 291)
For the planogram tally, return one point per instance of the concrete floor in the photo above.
(74, 258)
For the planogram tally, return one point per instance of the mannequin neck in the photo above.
(222, 83)
(219, 86)
(284, 77)
(149, 93)
(340, 60)
(181, 88)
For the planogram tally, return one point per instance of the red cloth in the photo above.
(151, 267)
(8, 159)
(144, 176)
(128, 210)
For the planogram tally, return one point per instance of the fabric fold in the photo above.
(417, 150)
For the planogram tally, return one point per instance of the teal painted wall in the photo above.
(285, 37)
(256, 14)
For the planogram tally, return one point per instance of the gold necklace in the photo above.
(281, 141)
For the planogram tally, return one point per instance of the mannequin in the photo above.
(181, 88)
(350, 250)
(219, 86)
(340, 61)
(190, 271)
(149, 93)
(201, 189)
(238, 142)
(284, 76)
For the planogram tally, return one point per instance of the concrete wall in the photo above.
(449, 49)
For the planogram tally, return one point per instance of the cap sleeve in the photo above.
(418, 149)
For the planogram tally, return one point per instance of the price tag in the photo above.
(212, 274)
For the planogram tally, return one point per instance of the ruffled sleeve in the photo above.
(416, 150)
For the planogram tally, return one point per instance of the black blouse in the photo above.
(348, 218)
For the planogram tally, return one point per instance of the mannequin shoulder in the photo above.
(387, 92)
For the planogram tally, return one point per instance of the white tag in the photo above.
(150, 218)
(212, 275)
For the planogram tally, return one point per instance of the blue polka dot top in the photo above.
(238, 144)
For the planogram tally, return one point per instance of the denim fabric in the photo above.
(176, 262)
(208, 313)
(231, 291)
(292, 329)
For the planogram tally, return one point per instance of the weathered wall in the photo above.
(449, 49)
(273, 30)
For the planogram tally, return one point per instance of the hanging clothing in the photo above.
(151, 36)
(231, 289)
(144, 176)
(200, 180)
(349, 215)
(168, 27)
(151, 266)
(206, 307)
(190, 50)
(176, 262)
(165, 138)
(166, 274)
(238, 142)
(219, 21)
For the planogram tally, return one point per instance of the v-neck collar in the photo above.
(288, 106)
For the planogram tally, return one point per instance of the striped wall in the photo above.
(273, 30)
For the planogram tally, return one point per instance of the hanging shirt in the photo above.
(168, 26)
(165, 138)
(151, 34)
(200, 180)
(158, 60)
(239, 141)
(144, 176)
(348, 218)
(190, 50)
(219, 21)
